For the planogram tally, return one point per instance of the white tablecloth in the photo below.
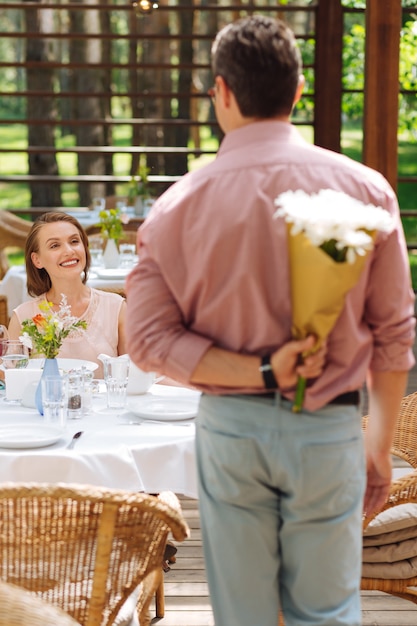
(112, 453)
(13, 285)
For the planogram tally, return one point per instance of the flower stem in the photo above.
(299, 394)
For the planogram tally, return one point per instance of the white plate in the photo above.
(64, 364)
(163, 408)
(116, 274)
(28, 435)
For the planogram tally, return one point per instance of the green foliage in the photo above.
(353, 70)
(408, 79)
(305, 108)
(111, 224)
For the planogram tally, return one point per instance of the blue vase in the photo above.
(50, 368)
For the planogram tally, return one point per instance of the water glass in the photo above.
(96, 245)
(14, 354)
(116, 376)
(87, 383)
(98, 204)
(127, 255)
(4, 334)
(55, 400)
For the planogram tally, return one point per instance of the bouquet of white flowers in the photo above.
(330, 236)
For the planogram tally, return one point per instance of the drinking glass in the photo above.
(96, 245)
(116, 376)
(14, 354)
(98, 204)
(127, 255)
(4, 334)
(55, 400)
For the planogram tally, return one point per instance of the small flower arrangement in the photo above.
(45, 332)
(330, 236)
(111, 223)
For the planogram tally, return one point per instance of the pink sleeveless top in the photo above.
(101, 334)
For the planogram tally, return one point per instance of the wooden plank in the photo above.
(382, 50)
(328, 74)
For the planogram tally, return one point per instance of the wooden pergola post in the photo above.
(383, 26)
(328, 74)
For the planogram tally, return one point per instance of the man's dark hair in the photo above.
(259, 59)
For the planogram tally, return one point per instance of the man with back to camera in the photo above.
(281, 494)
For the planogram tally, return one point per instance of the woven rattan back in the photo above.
(83, 548)
(405, 438)
(20, 608)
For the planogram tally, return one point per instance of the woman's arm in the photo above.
(121, 345)
(15, 328)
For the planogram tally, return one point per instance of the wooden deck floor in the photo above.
(186, 591)
(188, 603)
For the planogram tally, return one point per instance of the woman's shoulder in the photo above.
(106, 302)
(28, 308)
(109, 295)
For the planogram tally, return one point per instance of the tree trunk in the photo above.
(106, 102)
(41, 108)
(178, 165)
(88, 53)
(151, 51)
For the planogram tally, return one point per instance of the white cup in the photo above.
(17, 381)
(139, 381)
(55, 400)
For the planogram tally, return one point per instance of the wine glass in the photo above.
(4, 334)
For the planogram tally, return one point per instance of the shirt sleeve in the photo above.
(158, 339)
(389, 304)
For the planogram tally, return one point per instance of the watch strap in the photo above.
(267, 372)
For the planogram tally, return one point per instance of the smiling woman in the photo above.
(57, 261)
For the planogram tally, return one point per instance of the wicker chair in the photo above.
(86, 549)
(20, 608)
(402, 491)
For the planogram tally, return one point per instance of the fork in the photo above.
(74, 439)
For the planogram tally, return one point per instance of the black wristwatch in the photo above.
(268, 375)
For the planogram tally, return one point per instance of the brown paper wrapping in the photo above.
(318, 287)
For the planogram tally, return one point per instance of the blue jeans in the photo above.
(281, 511)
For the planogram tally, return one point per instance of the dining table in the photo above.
(147, 446)
(13, 284)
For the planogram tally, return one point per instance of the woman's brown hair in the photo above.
(38, 281)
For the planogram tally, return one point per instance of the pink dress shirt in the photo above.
(214, 267)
